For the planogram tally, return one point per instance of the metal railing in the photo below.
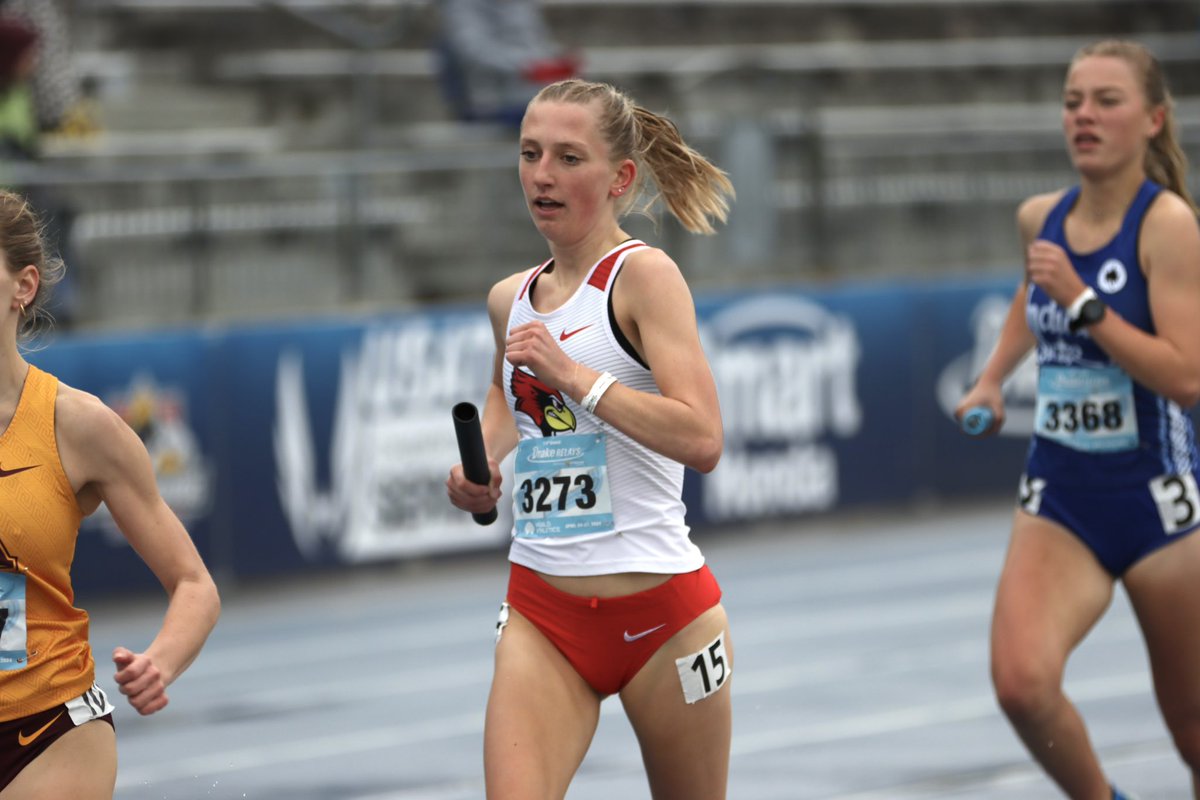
(161, 241)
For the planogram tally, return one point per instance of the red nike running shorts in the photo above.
(608, 639)
(22, 740)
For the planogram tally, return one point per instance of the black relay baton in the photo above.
(470, 450)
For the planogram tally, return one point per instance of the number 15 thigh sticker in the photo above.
(705, 672)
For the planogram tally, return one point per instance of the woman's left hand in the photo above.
(533, 347)
(140, 681)
(1049, 268)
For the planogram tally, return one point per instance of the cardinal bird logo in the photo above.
(544, 405)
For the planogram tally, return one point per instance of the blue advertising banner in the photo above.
(303, 446)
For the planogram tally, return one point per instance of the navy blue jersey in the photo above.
(1095, 426)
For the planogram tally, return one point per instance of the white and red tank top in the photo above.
(615, 505)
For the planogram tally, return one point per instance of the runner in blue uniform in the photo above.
(1111, 301)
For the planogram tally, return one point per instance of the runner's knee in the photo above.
(1025, 685)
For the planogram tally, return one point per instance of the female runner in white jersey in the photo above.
(601, 385)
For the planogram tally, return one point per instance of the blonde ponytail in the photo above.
(693, 190)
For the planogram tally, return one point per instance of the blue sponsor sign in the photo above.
(304, 446)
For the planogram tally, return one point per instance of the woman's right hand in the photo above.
(987, 396)
(473, 497)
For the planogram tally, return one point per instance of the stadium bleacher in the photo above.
(252, 146)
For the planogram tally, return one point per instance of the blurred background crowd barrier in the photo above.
(281, 237)
(305, 445)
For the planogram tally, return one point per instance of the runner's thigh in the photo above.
(80, 765)
(541, 717)
(1051, 592)
(1164, 589)
(685, 745)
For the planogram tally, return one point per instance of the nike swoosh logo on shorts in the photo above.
(4, 473)
(25, 741)
(633, 637)
(562, 337)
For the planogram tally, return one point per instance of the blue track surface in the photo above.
(861, 673)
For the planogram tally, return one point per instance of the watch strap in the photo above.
(1077, 304)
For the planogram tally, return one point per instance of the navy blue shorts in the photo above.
(1119, 525)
